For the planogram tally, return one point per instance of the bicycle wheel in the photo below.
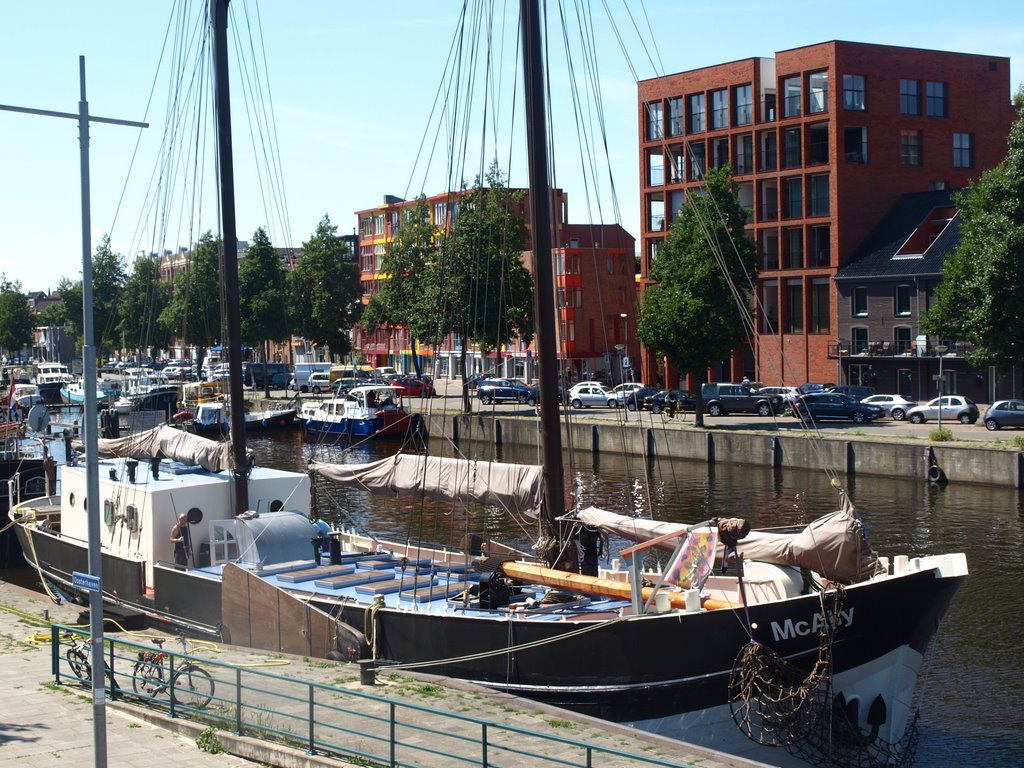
(192, 687)
(148, 679)
(79, 664)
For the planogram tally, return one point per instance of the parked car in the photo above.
(813, 386)
(590, 393)
(474, 381)
(660, 401)
(788, 394)
(534, 397)
(278, 373)
(502, 391)
(633, 399)
(855, 391)
(409, 386)
(958, 407)
(895, 405)
(1004, 413)
(819, 406)
(344, 384)
(319, 381)
(721, 399)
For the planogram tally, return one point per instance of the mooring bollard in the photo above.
(367, 671)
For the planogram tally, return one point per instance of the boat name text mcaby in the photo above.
(789, 628)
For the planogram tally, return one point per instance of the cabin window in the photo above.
(108, 512)
(276, 505)
(131, 517)
(71, 499)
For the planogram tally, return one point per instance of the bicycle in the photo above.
(190, 685)
(77, 656)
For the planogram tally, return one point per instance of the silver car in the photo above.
(1004, 413)
(591, 393)
(954, 407)
(895, 405)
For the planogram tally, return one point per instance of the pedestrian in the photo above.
(182, 541)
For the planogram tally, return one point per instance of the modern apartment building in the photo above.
(596, 297)
(822, 140)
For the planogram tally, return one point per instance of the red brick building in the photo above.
(822, 140)
(596, 302)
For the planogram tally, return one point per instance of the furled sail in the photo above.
(513, 487)
(165, 442)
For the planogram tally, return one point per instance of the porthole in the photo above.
(131, 517)
(276, 505)
(108, 512)
(71, 499)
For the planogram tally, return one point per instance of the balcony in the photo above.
(887, 348)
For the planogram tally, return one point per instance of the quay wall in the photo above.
(912, 460)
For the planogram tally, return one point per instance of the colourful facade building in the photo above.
(822, 140)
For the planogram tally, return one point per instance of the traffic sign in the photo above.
(85, 581)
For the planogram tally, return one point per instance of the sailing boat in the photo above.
(810, 640)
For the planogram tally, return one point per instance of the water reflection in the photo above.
(971, 683)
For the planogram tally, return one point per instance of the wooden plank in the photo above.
(434, 592)
(352, 579)
(324, 571)
(387, 587)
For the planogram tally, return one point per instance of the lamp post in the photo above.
(625, 345)
(940, 350)
(839, 361)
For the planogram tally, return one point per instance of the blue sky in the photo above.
(353, 85)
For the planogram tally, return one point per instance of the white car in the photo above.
(589, 393)
(896, 406)
(621, 390)
(789, 394)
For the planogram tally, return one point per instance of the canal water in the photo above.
(972, 682)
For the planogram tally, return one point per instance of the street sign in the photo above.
(85, 581)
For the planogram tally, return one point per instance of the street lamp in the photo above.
(625, 345)
(940, 350)
(839, 361)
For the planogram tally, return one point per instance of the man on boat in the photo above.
(182, 541)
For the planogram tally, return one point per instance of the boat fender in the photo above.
(936, 475)
(349, 643)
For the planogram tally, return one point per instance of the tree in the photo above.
(981, 297)
(16, 321)
(479, 288)
(325, 293)
(143, 300)
(262, 296)
(108, 278)
(193, 313)
(692, 313)
(404, 265)
(71, 298)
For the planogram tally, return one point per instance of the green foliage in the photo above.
(143, 300)
(16, 321)
(108, 278)
(54, 314)
(262, 293)
(940, 435)
(1019, 442)
(193, 313)
(324, 290)
(207, 741)
(71, 298)
(691, 313)
(981, 297)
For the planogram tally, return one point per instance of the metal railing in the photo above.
(326, 719)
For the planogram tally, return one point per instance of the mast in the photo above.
(540, 218)
(219, 20)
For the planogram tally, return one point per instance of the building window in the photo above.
(744, 104)
(791, 97)
(910, 97)
(676, 198)
(770, 249)
(655, 169)
(963, 150)
(675, 116)
(910, 148)
(935, 97)
(657, 217)
(795, 306)
(745, 154)
(770, 307)
(902, 340)
(821, 246)
(794, 248)
(698, 163)
(901, 301)
(820, 305)
(817, 92)
(854, 95)
(855, 144)
(859, 340)
(697, 116)
(677, 170)
(720, 152)
(794, 199)
(791, 148)
(440, 214)
(819, 195)
(769, 150)
(859, 303)
(654, 120)
(817, 150)
(769, 200)
(719, 109)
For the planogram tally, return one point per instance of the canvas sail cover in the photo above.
(834, 545)
(514, 487)
(165, 442)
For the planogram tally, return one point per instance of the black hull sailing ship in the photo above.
(807, 639)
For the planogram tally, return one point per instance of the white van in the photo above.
(300, 377)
